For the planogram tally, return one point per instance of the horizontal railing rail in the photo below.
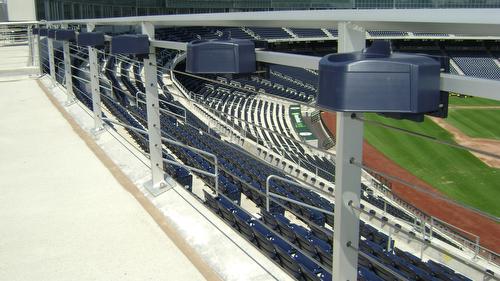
(471, 22)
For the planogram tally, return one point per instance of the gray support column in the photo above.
(94, 83)
(29, 33)
(348, 176)
(46, 6)
(68, 74)
(158, 183)
(39, 52)
(52, 66)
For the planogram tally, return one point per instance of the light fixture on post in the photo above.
(404, 86)
(232, 56)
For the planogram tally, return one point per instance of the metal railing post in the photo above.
(389, 240)
(39, 52)
(431, 228)
(52, 65)
(216, 170)
(476, 247)
(268, 180)
(158, 184)
(68, 74)
(31, 60)
(94, 82)
(348, 176)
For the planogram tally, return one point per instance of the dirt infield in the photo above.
(489, 145)
(468, 220)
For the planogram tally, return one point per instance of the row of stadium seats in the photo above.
(279, 89)
(292, 82)
(476, 63)
(430, 34)
(267, 114)
(281, 240)
(270, 33)
(309, 32)
(186, 34)
(382, 33)
(299, 75)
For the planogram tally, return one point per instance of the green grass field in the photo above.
(455, 172)
(476, 123)
(473, 101)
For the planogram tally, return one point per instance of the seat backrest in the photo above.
(211, 202)
(307, 274)
(287, 261)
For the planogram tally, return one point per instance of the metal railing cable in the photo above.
(105, 109)
(107, 128)
(106, 68)
(171, 162)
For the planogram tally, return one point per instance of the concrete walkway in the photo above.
(63, 216)
(14, 61)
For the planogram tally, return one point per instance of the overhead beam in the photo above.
(482, 22)
(472, 86)
(478, 87)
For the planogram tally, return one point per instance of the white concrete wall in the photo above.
(3, 12)
(21, 10)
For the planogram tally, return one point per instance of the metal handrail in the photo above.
(164, 110)
(199, 151)
(269, 194)
(471, 21)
